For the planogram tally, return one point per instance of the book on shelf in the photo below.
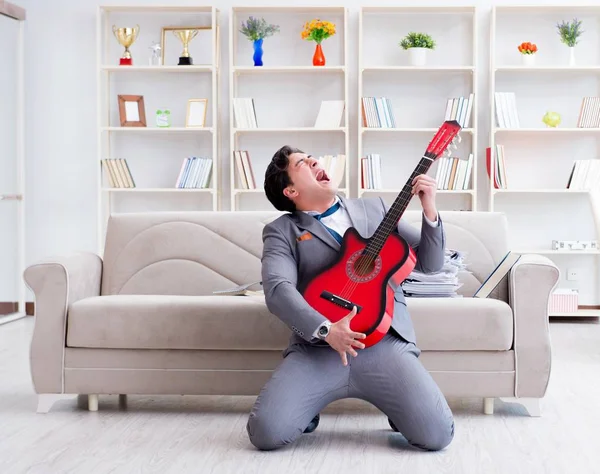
(334, 166)
(371, 172)
(245, 172)
(589, 113)
(377, 112)
(118, 173)
(496, 276)
(585, 174)
(330, 114)
(499, 178)
(506, 110)
(459, 109)
(244, 112)
(454, 173)
(195, 173)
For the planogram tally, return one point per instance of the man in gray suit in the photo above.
(316, 370)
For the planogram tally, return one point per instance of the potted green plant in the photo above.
(417, 45)
(256, 31)
(569, 33)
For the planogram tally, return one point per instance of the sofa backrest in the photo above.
(196, 253)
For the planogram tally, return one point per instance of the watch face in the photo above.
(323, 331)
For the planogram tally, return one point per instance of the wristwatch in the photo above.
(323, 330)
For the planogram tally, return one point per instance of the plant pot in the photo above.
(258, 52)
(318, 57)
(418, 56)
(528, 59)
(571, 55)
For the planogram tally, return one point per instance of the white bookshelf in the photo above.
(287, 91)
(155, 155)
(418, 94)
(538, 159)
(13, 195)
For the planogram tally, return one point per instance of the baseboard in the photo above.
(8, 307)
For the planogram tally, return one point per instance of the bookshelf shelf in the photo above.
(538, 162)
(274, 104)
(169, 69)
(288, 69)
(448, 74)
(158, 190)
(154, 156)
(289, 130)
(408, 130)
(158, 130)
(582, 313)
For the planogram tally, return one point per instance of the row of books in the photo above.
(585, 174)
(245, 172)
(506, 110)
(500, 181)
(118, 173)
(371, 172)
(377, 112)
(589, 113)
(454, 173)
(459, 109)
(244, 112)
(195, 173)
(334, 166)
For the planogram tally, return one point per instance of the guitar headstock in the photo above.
(445, 136)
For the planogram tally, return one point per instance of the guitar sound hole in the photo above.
(364, 266)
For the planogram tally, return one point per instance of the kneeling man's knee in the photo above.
(436, 438)
(267, 434)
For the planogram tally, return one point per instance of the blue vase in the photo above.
(258, 52)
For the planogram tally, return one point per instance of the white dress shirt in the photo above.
(340, 222)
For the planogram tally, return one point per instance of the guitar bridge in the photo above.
(337, 300)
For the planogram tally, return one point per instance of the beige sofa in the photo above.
(142, 319)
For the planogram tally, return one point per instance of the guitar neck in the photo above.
(392, 217)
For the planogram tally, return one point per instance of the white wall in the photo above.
(61, 128)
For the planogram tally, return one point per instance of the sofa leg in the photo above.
(488, 406)
(93, 402)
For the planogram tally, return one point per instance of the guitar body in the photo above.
(353, 280)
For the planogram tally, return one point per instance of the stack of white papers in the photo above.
(444, 283)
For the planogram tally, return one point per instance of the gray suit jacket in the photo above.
(289, 263)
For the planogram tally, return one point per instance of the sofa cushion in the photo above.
(244, 323)
(175, 322)
(461, 324)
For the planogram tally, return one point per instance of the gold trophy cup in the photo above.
(185, 36)
(126, 37)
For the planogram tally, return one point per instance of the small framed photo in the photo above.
(131, 111)
(196, 113)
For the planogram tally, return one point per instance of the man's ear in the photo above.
(289, 192)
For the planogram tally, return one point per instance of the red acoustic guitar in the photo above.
(360, 275)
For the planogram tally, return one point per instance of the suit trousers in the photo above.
(388, 375)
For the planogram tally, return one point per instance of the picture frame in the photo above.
(195, 116)
(132, 112)
(200, 51)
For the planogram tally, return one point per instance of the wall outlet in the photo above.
(572, 274)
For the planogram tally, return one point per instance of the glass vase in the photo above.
(318, 57)
(258, 52)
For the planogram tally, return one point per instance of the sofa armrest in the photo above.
(56, 284)
(531, 282)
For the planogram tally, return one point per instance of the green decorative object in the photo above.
(163, 118)
(569, 34)
(417, 45)
(551, 119)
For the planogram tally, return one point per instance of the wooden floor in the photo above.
(207, 434)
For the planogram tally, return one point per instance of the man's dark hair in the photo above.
(277, 179)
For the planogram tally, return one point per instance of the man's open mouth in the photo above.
(322, 176)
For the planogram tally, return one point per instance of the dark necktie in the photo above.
(328, 212)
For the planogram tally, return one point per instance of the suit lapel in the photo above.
(312, 225)
(357, 213)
